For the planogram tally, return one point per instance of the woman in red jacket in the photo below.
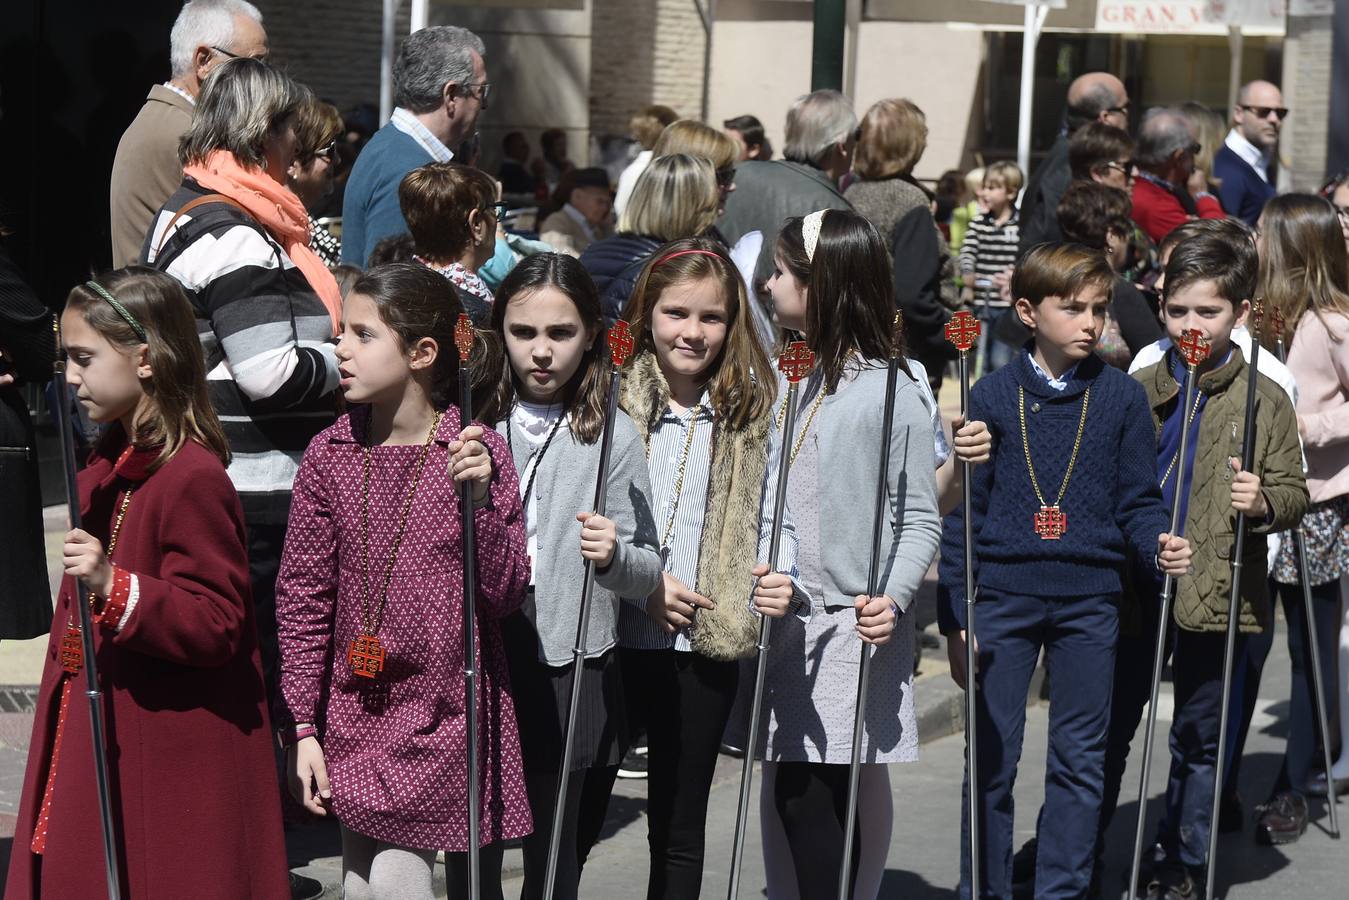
(162, 557)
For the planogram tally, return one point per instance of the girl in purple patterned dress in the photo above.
(369, 602)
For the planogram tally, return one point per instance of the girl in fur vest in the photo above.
(549, 406)
(699, 392)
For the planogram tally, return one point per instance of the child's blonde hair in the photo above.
(738, 382)
(974, 179)
(1005, 173)
(180, 410)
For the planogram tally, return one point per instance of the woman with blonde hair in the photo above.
(890, 141)
(1210, 130)
(645, 126)
(677, 197)
(699, 139)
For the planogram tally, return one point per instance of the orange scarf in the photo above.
(276, 209)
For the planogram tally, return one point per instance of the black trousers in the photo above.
(812, 800)
(682, 701)
(265, 517)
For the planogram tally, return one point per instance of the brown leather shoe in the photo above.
(1282, 820)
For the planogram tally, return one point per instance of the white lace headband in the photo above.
(810, 232)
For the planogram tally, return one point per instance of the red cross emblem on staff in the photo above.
(963, 330)
(1194, 347)
(796, 361)
(463, 336)
(1050, 523)
(620, 342)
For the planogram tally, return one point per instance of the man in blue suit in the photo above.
(1243, 165)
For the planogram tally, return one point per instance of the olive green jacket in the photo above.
(1210, 521)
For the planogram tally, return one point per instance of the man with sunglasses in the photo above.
(146, 169)
(1243, 165)
(440, 89)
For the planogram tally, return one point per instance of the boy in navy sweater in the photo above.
(1070, 489)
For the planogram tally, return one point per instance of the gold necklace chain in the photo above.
(678, 489)
(1072, 460)
(398, 536)
(1198, 395)
(810, 417)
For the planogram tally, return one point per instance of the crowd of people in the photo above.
(270, 537)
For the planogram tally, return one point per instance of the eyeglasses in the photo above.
(1122, 110)
(498, 210)
(1262, 112)
(1124, 167)
(329, 152)
(726, 179)
(222, 51)
(483, 90)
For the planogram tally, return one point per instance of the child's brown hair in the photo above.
(1060, 270)
(180, 408)
(738, 381)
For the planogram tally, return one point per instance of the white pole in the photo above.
(1034, 21)
(420, 10)
(386, 62)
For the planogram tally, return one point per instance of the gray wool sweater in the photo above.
(564, 486)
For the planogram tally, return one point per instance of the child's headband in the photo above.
(810, 232)
(665, 259)
(119, 308)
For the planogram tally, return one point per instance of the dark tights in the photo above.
(812, 800)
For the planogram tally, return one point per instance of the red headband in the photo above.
(665, 259)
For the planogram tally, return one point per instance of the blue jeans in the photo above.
(995, 353)
(1078, 635)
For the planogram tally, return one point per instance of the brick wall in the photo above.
(333, 46)
(643, 52)
(1306, 91)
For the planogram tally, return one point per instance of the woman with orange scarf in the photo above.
(267, 308)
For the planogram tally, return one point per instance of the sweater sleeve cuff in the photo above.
(117, 607)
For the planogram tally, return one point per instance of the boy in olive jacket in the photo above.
(1209, 278)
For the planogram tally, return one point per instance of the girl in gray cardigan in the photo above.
(833, 282)
(550, 407)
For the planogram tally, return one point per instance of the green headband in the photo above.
(121, 310)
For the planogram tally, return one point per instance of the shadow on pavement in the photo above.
(895, 883)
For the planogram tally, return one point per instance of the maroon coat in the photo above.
(395, 746)
(194, 787)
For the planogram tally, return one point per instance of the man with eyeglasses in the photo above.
(1244, 163)
(1165, 159)
(440, 89)
(146, 170)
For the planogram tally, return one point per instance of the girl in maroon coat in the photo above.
(162, 555)
(369, 602)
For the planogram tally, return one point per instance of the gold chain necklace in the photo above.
(810, 417)
(678, 490)
(72, 643)
(1188, 420)
(367, 655)
(1050, 522)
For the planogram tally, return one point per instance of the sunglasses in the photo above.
(1194, 148)
(1262, 112)
(329, 152)
(498, 210)
(725, 178)
(223, 52)
(1122, 110)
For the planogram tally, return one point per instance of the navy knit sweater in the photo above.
(1112, 501)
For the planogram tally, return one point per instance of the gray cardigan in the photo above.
(848, 426)
(564, 486)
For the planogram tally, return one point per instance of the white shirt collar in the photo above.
(1250, 154)
(410, 125)
(579, 218)
(180, 92)
(1058, 384)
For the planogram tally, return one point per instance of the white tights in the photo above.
(373, 870)
(875, 817)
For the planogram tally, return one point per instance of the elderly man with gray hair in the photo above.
(146, 169)
(817, 151)
(440, 88)
(1165, 158)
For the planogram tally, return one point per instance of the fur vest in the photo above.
(730, 542)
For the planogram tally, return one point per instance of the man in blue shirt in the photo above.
(440, 88)
(1242, 165)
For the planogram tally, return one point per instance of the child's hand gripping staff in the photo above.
(1234, 595)
(963, 331)
(880, 509)
(1318, 684)
(463, 341)
(597, 544)
(77, 646)
(795, 363)
(1194, 348)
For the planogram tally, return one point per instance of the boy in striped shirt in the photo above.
(989, 251)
